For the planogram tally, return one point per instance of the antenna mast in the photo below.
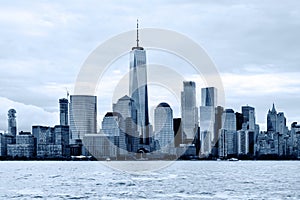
(137, 32)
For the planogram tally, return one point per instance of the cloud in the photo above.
(254, 44)
(261, 90)
(27, 115)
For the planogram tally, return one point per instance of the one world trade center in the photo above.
(138, 89)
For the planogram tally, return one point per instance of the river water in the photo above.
(176, 180)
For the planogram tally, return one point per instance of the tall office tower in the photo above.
(189, 111)
(132, 136)
(228, 135)
(12, 124)
(163, 123)
(63, 111)
(272, 119)
(83, 116)
(138, 89)
(281, 123)
(239, 120)
(209, 96)
(207, 118)
(205, 138)
(242, 142)
(207, 110)
(217, 126)
(125, 106)
(218, 119)
(295, 128)
(249, 117)
(229, 120)
(111, 127)
(177, 132)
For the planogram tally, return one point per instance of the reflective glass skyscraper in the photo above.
(189, 110)
(138, 89)
(83, 116)
(163, 122)
(207, 109)
(63, 111)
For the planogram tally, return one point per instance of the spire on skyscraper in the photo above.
(137, 32)
(273, 109)
(137, 37)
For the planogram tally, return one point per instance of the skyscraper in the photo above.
(163, 123)
(229, 120)
(63, 111)
(83, 116)
(228, 132)
(111, 127)
(249, 117)
(272, 119)
(207, 119)
(12, 124)
(125, 106)
(189, 110)
(138, 89)
(209, 96)
(177, 127)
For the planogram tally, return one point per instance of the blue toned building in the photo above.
(163, 124)
(83, 116)
(64, 112)
(138, 89)
(189, 111)
(24, 147)
(113, 126)
(12, 123)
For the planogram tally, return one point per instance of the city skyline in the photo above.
(41, 64)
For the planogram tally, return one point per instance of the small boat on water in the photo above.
(81, 157)
(233, 159)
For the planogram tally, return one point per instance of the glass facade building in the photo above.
(163, 124)
(83, 116)
(189, 110)
(138, 90)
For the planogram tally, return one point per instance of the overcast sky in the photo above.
(255, 46)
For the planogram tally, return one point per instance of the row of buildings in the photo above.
(208, 131)
(219, 133)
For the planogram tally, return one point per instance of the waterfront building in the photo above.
(12, 123)
(242, 142)
(3, 145)
(51, 142)
(100, 146)
(249, 117)
(83, 116)
(138, 89)
(178, 135)
(272, 119)
(189, 111)
(163, 123)
(229, 120)
(125, 106)
(208, 119)
(112, 125)
(205, 147)
(24, 146)
(63, 112)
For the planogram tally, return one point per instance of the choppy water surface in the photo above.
(181, 180)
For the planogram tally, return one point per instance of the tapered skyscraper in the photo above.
(138, 89)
